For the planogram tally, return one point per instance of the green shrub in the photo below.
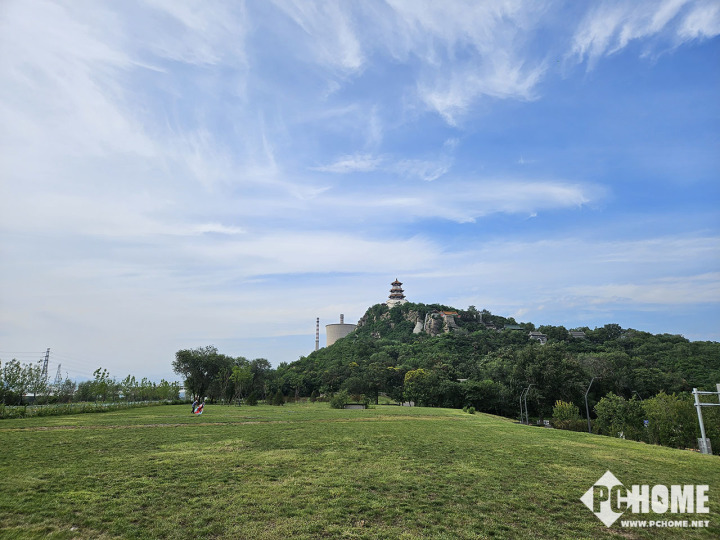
(339, 400)
(672, 420)
(251, 399)
(278, 398)
(567, 416)
(617, 417)
(28, 411)
(471, 410)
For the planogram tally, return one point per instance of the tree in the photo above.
(222, 380)
(241, 377)
(101, 384)
(129, 388)
(355, 386)
(199, 367)
(167, 391)
(15, 382)
(417, 386)
(85, 391)
(483, 395)
(37, 383)
(278, 398)
(261, 369)
(672, 420)
(65, 390)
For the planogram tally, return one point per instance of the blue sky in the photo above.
(177, 174)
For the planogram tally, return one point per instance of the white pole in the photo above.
(703, 445)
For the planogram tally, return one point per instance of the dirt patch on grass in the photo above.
(239, 423)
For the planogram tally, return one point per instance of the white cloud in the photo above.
(470, 50)
(702, 21)
(351, 163)
(460, 51)
(611, 26)
(193, 32)
(170, 167)
(466, 201)
(498, 77)
(423, 169)
(330, 31)
(698, 289)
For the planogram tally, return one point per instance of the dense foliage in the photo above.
(486, 361)
(666, 419)
(218, 377)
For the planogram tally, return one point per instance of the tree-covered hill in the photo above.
(440, 356)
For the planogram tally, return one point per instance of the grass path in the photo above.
(308, 471)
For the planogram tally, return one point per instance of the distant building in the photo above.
(396, 297)
(333, 332)
(577, 334)
(513, 327)
(539, 336)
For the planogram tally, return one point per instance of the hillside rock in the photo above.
(431, 321)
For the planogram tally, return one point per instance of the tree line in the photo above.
(21, 382)
(485, 362)
(665, 419)
(211, 375)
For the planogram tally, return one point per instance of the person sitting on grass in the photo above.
(199, 409)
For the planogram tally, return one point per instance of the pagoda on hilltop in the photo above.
(396, 295)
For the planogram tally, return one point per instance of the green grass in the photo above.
(308, 471)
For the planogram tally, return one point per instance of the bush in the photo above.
(28, 411)
(278, 398)
(617, 416)
(339, 400)
(567, 416)
(672, 420)
(471, 410)
(314, 396)
(251, 399)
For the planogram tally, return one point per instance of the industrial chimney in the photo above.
(317, 334)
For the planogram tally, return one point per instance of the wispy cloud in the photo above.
(702, 21)
(698, 289)
(467, 201)
(611, 26)
(176, 165)
(423, 169)
(354, 163)
(330, 30)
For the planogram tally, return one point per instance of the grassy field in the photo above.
(308, 471)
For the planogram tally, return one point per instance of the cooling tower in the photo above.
(333, 332)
